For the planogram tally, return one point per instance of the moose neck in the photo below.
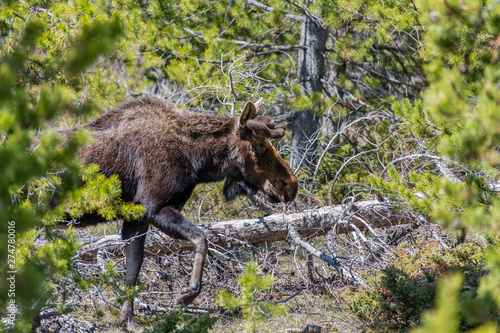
(214, 153)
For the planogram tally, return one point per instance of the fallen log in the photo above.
(308, 223)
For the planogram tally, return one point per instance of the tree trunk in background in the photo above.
(311, 70)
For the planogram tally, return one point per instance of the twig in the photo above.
(233, 92)
(426, 224)
(271, 9)
(290, 297)
(311, 249)
(261, 204)
(244, 44)
(385, 76)
(306, 12)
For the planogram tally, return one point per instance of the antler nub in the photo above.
(262, 127)
(258, 104)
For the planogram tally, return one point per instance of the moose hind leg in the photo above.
(135, 233)
(170, 221)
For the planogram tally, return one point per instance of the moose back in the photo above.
(160, 154)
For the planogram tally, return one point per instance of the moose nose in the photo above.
(289, 195)
(290, 191)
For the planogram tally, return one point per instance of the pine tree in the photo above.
(457, 122)
(41, 66)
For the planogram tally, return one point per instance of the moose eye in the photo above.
(260, 147)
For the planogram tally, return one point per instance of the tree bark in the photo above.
(272, 228)
(311, 70)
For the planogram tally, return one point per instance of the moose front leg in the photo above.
(171, 222)
(135, 234)
(194, 289)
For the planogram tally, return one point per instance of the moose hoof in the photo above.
(187, 296)
(127, 313)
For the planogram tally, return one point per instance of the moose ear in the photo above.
(250, 111)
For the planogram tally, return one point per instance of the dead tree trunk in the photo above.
(311, 70)
(309, 223)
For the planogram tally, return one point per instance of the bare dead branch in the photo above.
(311, 249)
(271, 9)
(292, 231)
(272, 228)
(390, 79)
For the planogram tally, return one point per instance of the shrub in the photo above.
(252, 285)
(398, 295)
(179, 322)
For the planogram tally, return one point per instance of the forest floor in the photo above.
(312, 294)
(312, 291)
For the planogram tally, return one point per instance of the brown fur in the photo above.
(160, 154)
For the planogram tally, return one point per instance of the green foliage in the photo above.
(397, 297)
(415, 118)
(41, 66)
(456, 117)
(318, 103)
(103, 196)
(445, 316)
(456, 121)
(252, 285)
(463, 82)
(95, 40)
(179, 322)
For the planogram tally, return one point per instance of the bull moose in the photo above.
(161, 154)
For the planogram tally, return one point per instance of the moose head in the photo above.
(259, 166)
